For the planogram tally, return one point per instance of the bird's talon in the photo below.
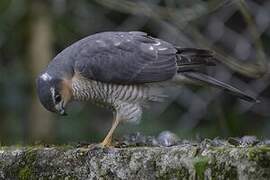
(106, 143)
(91, 146)
(97, 146)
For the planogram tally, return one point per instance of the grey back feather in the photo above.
(125, 58)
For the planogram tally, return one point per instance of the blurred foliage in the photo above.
(237, 30)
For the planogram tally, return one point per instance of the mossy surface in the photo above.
(25, 173)
(182, 161)
(200, 163)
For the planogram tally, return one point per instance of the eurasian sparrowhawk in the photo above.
(123, 71)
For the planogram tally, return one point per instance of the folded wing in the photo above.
(125, 58)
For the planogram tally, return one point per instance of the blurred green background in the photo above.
(33, 31)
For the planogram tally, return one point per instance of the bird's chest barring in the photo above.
(104, 93)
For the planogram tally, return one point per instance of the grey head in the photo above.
(49, 93)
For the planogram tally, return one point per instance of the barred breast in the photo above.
(126, 100)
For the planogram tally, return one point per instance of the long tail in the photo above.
(189, 62)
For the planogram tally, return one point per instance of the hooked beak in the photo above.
(62, 111)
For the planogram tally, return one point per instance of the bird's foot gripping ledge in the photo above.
(244, 158)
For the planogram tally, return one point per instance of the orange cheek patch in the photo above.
(66, 91)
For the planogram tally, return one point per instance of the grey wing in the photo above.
(125, 58)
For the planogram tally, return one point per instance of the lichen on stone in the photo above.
(142, 158)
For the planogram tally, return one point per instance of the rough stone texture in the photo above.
(244, 158)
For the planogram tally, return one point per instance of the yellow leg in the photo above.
(108, 139)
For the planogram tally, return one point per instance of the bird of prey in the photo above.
(123, 71)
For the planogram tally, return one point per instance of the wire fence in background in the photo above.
(237, 30)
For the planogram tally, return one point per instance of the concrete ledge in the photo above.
(187, 160)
